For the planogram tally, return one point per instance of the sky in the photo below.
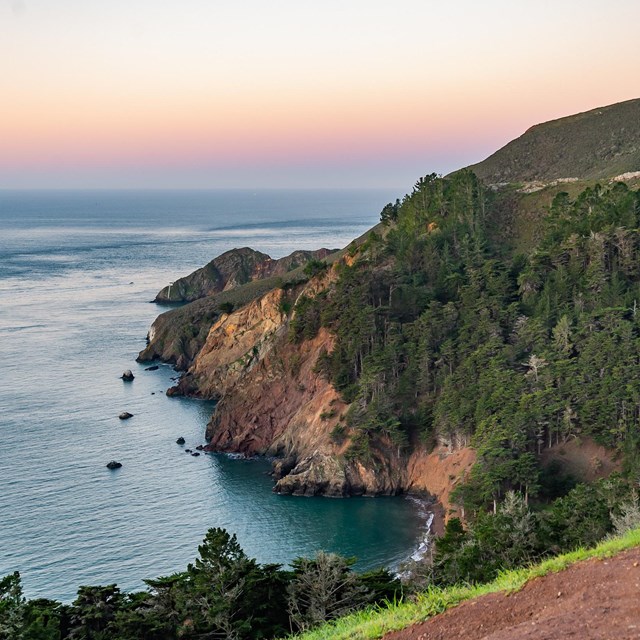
(293, 93)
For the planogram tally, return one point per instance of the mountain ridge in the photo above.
(596, 144)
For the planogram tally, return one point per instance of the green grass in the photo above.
(598, 144)
(376, 622)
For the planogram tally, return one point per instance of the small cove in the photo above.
(76, 272)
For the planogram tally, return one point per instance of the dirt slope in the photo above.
(595, 599)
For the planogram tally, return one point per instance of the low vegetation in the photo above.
(375, 622)
(598, 144)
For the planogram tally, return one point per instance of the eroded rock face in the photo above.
(230, 281)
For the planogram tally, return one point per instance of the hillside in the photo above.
(589, 594)
(591, 600)
(595, 145)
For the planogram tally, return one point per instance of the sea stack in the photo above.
(127, 375)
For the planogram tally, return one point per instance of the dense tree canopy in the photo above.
(442, 335)
(223, 594)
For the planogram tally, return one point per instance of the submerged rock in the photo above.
(155, 367)
(125, 415)
(114, 464)
(180, 440)
(127, 375)
(195, 453)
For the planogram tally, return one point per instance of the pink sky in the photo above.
(292, 94)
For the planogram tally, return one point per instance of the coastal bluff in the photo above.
(233, 269)
(273, 401)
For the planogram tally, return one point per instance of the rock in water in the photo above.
(114, 464)
(155, 367)
(195, 453)
(180, 441)
(125, 415)
(127, 375)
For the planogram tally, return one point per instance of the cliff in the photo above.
(177, 335)
(452, 346)
(272, 401)
(233, 269)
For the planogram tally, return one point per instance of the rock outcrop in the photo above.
(233, 269)
(177, 336)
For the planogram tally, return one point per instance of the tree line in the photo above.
(223, 594)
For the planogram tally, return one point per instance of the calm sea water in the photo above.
(77, 270)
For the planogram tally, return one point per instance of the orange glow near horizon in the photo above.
(115, 88)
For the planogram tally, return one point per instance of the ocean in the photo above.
(77, 272)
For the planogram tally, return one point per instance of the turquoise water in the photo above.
(77, 270)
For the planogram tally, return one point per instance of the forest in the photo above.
(444, 336)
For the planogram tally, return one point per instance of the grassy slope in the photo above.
(375, 623)
(601, 143)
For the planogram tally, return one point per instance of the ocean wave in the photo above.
(424, 508)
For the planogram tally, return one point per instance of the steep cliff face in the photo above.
(178, 335)
(433, 328)
(233, 269)
(271, 401)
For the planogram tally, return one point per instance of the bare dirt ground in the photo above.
(595, 599)
(583, 458)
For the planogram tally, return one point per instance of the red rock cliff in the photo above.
(271, 401)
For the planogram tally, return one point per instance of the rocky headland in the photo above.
(233, 269)
(235, 347)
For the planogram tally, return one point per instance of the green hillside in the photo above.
(377, 622)
(601, 143)
(444, 337)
